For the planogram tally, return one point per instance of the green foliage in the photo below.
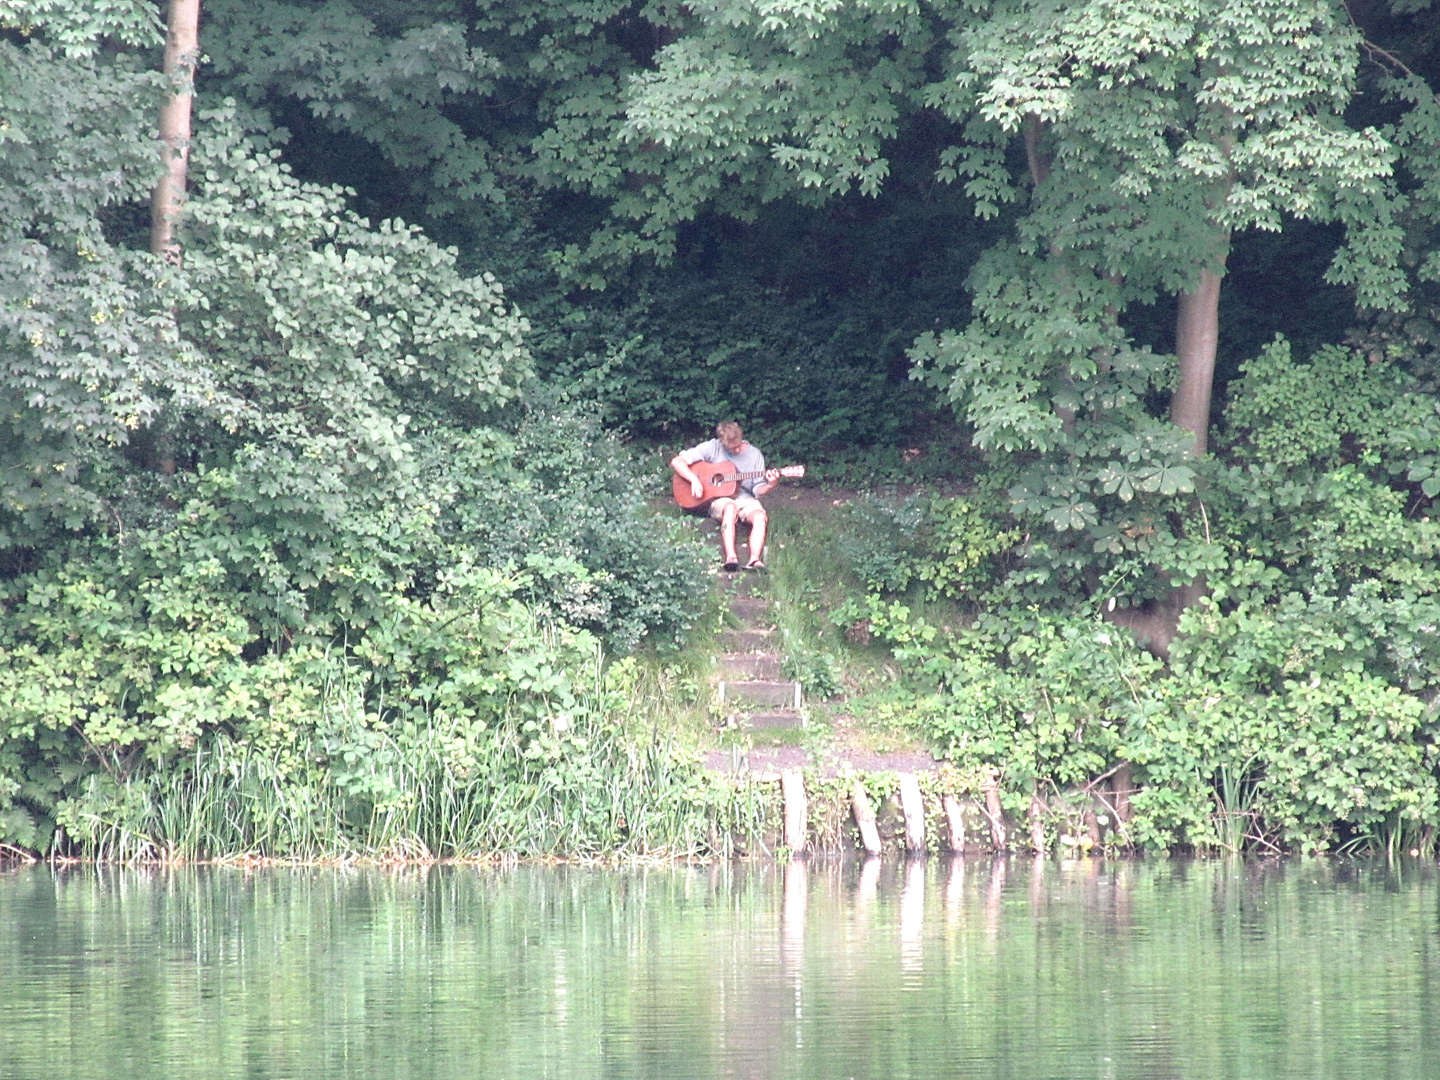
(946, 545)
(436, 778)
(1045, 699)
(819, 673)
(1326, 746)
(89, 348)
(395, 92)
(312, 457)
(294, 545)
(1225, 755)
(669, 356)
(465, 114)
(79, 26)
(124, 656)
(1296, 708)
(570, 505)
(1417, 445)
(1319, 413)
(340, 335)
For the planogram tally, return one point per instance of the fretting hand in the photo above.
(772, 477)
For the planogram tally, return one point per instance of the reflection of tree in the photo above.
(1216, 968)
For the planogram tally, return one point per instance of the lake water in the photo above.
(1003, 969)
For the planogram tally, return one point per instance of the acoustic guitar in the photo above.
(720, 481)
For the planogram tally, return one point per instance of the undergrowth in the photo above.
(611, 776)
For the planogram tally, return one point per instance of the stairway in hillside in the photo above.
(751, 686)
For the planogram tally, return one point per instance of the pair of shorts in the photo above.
(748, 505)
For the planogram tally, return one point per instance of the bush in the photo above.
(388, 502)
(1297, 707)
(436, 779)
(948, 546)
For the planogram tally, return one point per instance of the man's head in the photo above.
(730, 435)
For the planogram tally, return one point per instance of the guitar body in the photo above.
(721, 481)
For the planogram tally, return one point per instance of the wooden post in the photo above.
(993, 810)
(1037, 822)
(1122, 784)
(864, 817)
(914, 808)
(797, 813)
(955, 820)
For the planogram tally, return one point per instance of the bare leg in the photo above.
(758, 522)
(727, 531)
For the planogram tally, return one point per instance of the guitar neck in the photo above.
(788, 470)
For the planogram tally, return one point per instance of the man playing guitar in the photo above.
(729, 445)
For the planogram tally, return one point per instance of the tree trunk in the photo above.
(1156, 623)
(1197, 335)
(1039, 164)
(182, 54)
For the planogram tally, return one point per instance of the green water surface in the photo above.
(949, 969)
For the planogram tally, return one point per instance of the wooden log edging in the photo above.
(864, 818)
(954, 822)
(912, 803)
(797, 811)
(816, 814)
(990, 788)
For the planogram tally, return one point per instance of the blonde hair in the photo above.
(728, 431)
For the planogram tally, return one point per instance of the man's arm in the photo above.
(683, 470)
(769, 484)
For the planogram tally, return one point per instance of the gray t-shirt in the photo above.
(750, 459)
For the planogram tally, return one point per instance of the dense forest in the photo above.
(330, 432)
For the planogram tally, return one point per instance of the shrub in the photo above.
(949, 546)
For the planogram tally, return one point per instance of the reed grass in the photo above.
(806, 583)
(634, 786)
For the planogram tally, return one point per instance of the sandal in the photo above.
(730, 567)
(756, 566)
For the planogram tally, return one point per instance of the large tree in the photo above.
(1138, 136)
(1131, 140)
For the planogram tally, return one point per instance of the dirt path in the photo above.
(828, 762)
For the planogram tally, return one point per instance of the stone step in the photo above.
(747, 641)
(738, 583)
(752, 611)
(750, 666)
(777, 720)
(755, 692)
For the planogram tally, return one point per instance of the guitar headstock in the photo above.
(793, 471)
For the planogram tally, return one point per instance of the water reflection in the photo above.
(912, 916)
(929, 968)
(954, 893)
